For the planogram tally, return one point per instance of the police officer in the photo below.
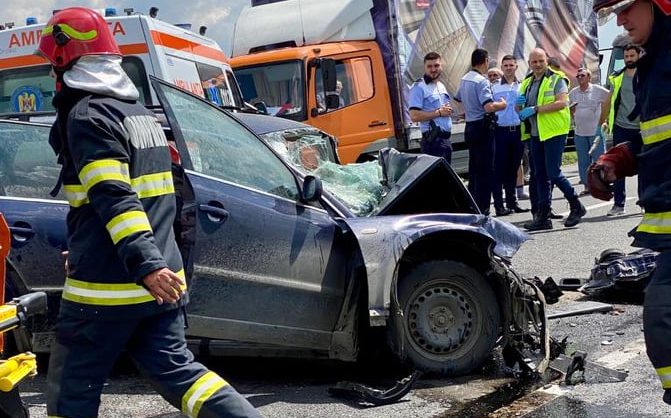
(620, 125)
(543, 105)
(475, 93)
(125, 288)
(430, 106)
(509, 147)
(649, 25)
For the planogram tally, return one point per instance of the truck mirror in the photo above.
(327, 67)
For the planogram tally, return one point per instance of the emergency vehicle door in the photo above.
(267, 268)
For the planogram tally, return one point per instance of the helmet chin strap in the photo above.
(59, 79)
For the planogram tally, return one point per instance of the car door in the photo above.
(267, 268)
(28, 172)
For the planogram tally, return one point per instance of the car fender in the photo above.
(384, 240)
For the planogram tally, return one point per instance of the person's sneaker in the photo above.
(616, 210)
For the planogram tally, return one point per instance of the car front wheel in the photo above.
(450, 317)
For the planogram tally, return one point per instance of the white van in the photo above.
(150, 47)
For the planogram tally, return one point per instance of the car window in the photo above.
(221, 147)
(27, 163)
(354, 82)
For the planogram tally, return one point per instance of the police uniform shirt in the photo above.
(510, 92)
(474, 93)
(429, 97)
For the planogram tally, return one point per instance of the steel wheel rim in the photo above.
(441, 320)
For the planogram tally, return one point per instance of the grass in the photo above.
(569, 158)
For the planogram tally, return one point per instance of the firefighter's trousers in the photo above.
(86, 350)
(657, 318)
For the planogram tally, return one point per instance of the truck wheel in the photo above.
(450, 317)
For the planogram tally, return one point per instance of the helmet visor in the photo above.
(606, 13)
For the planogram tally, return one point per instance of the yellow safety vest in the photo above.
(615, 81)
(550, 124)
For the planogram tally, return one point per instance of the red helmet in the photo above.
(615, 6)
(74, 32)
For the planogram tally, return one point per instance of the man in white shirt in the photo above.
(589, 107)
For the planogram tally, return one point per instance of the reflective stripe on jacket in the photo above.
(550, 124)
(653, 98)
(118, 181)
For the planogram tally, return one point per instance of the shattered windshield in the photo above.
(358, 186)
(274, 88)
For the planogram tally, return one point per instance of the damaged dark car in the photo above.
(301, 259)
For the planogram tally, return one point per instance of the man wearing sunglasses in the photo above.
(589, 106)
(649, 25)
(623, 123)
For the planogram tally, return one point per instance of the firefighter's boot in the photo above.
(577, 212)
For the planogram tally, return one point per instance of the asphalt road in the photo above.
(297, 388)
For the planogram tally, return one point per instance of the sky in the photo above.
(218, 15)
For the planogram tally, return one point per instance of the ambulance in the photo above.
(150, 47)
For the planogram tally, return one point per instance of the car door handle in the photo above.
(21, 233)
(214, 213)
(376, 123)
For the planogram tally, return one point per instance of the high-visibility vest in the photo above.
(550, 124)
(615, 81)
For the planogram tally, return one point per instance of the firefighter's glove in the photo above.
(521, 100)
(527, 112)
(619, 162)
(596, 184)
(164, 285)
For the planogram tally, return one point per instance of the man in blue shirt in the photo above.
(430, 106)
(507, 135)
(475, 93)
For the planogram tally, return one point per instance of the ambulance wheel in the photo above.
(451, 318)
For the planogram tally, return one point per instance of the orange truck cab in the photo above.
(150, 47)
(345, 84)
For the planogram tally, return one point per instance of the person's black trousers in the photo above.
(85, 351)
(480, 140)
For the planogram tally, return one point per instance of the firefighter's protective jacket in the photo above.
(653, 97)
(117, 179)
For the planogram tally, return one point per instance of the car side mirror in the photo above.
(312, 189)
(261, 107)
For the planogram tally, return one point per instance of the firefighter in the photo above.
(649, 25)
(125, 287)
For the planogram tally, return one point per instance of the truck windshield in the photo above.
(277, 87)
(31, 89)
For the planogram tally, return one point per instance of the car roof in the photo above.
(262, 124)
